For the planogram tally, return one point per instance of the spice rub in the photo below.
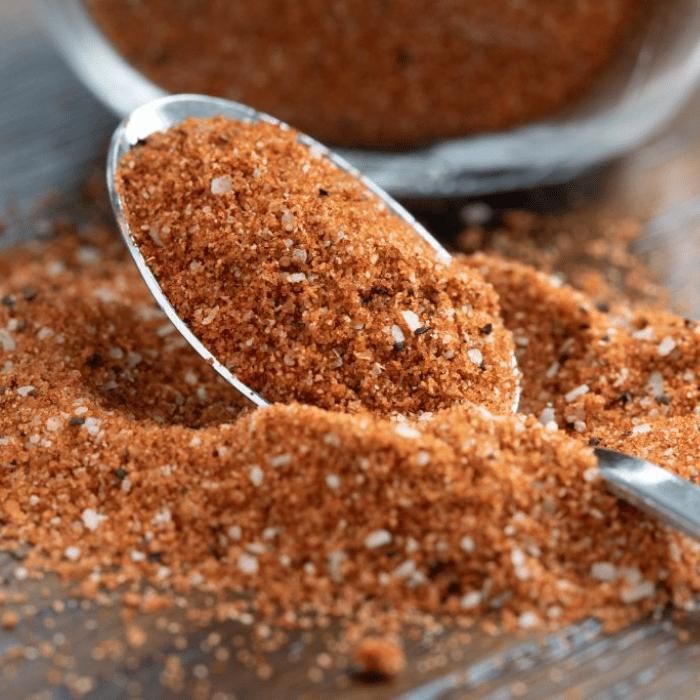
(302, 282)
(462, 512)
(378, 74)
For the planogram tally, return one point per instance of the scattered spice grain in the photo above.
(379, 657)
(332, 301)
(424, 71)
(591, 250)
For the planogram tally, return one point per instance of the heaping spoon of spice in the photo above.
(289, 272)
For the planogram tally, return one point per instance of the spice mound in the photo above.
(368, 73)
(107, 418)
(302, 282)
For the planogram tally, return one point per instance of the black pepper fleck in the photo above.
(29, 293)
(94, 361)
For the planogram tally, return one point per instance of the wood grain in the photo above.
(51, 132)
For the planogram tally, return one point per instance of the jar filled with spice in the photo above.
(429, 99)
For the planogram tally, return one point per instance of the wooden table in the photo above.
(51, 132)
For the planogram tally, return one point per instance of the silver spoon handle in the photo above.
(658, 492)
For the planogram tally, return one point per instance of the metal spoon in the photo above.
(657, 491)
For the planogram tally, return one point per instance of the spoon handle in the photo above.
(670, 498)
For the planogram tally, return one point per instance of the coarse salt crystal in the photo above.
(221, 185)
(645, 334)
(405, 430)
(405, 570)
(333, 481)
(666, 346)
(377, 539)
(528, 620)
(256, 476)
(7, 342)
(92, 519)
(279, 460)
(296, 277)
(397, 335)
(411, 545)
(591, 474)
(137, 556)
(422, 458)
(335, 564)
(552, 370)
(53, 424)
(641, 429)
(287, 220)
(604, 571)
(576, 393)
(234, 532)
(656, 384)
(411, 319)
(475, 355)
(547, 416)
(87, 255)
(134, 359)
(24, 391)
(248, 564)
(471, 600)
(517, 558)
(72, 553)
(162, 517)
(467, 544)
(633, 594)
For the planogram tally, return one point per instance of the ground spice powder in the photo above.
(125, 461)
(302, 282)
(126, 465)
(379, 74)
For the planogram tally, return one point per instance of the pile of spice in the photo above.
(391, 484)
(594, 251)
(126, 462)
(367, 73)
(301, 280)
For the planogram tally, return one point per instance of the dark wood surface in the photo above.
(51, 132)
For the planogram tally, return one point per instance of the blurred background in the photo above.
(609, 126)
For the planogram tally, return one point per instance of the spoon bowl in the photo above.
(161, 114)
